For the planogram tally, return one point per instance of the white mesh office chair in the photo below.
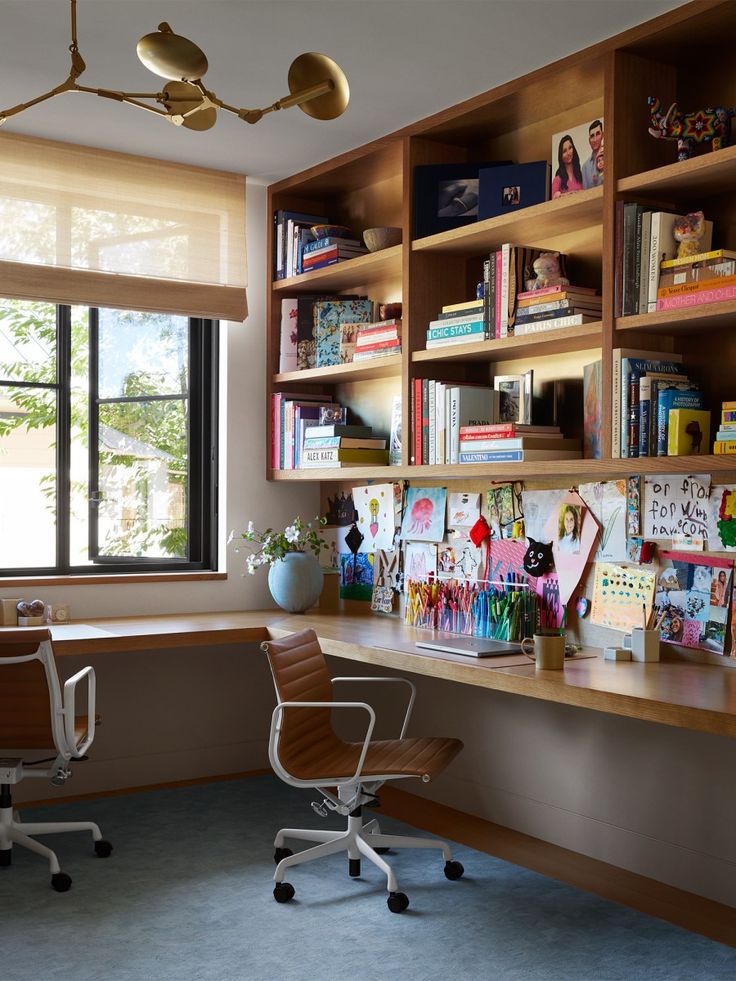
(35, 717)
(305, 751)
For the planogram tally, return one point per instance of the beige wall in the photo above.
(653, 799)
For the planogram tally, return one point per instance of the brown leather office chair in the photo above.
(35, 717)
(305, 751)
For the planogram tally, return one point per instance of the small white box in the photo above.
(616, 654)
(644, 644)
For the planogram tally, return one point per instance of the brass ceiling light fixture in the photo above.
(316, 83)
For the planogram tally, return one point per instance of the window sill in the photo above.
(107, 580)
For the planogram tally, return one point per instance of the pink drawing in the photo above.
(691, 633)
(421, 516)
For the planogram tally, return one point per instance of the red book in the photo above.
(417, 420)
(378, 345)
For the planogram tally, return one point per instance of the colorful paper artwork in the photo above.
(424, 517)
(692, 600)
(375, 507)
(420, 562)
(463, 560)
(463, 509)
(622, 596)
(722, 518)
(551, 610)
(607, 501)
(505, 510)
(573, 531)
(633, 506)
(356, 576)
(674, 505)
(507, 562)
(329, 558)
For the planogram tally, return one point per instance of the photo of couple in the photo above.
(569, 172)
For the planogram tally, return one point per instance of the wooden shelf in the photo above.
(711, 173)
(364, 270)
(386, 367)
(593, 469)
(708, 316)
(526, 346)
(540, 226)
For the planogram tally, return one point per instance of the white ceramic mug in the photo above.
(548, 650)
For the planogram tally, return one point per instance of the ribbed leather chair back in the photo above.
(25, 705)
(300, 674)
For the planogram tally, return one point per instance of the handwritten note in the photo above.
(676, 505)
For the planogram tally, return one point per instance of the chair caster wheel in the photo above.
(61, 882)
(281, 853)
(381, 851)
(283, 892)
(397, 902)
(102, 848)
(454, 870)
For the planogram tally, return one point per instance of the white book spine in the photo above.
(440, 404)
(537, 326)
(616, 405)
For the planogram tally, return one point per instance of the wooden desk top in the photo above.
(677, 693)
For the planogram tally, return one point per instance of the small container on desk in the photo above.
(643, 644)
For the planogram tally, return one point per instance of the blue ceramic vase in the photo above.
(296, 581)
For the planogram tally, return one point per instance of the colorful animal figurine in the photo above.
(688, 231)
(688, 128)
(547, 269)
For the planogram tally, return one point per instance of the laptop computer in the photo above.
(471, 646)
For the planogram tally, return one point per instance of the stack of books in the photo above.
(376, 340)
(725, 441)
(439, 410)
(510, 442)
(327, 251)
(292, 415)
(338, 445)
(657, 409)
(556, 306)
(457, 323)
(292, 229)
(703, 278)
(644, 241)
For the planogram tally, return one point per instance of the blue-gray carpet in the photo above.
(187, 896)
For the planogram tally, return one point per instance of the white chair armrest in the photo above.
(403, 681)
(70, 690)
(279, 711)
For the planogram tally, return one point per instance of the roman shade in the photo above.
(81, 225)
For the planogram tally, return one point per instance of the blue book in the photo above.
(634, 368)
(649, 385)
(674, 398)
(455, 330)
(493, 456)
(322, 243)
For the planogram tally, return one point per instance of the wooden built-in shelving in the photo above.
(374, 185)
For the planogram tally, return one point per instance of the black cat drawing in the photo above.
(538, 558)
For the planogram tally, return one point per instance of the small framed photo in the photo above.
(446, 196)
(504, 190)
(577, 158)
(515, 397)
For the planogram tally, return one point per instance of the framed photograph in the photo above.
(515, 397)
(507, 189)
(577, 158)
(446, 196)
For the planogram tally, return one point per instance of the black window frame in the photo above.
(202, 489)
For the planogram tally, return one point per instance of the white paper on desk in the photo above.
(606, 501)
(538, 505)
(77, 631)
(675, 504)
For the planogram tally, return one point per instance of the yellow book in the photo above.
(722, 446)
(698, 257)
(688, 432)
(465, 305)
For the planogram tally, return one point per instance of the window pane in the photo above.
(143, 472)
(27, 341)
(142, 354)
(27, 478)
(79, 440)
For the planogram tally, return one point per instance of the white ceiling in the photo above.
(404, 59)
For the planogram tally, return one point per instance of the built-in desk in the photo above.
(677, 693)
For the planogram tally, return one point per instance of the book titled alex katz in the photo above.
(338, 457)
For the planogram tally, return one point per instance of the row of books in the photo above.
(510, 442)
(657, 409)
(296, 250)
(440, 409)
(326, 252)
(342, 446)
(725, 441)
(644, 242)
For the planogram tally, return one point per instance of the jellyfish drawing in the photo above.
(421, 516)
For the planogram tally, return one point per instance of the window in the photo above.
(107, 440)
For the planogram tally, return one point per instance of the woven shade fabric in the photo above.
(88, 226)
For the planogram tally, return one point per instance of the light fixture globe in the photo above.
(172, 56)
(311, 69)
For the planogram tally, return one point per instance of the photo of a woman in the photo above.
(568, 177)
(718, 589)
(568, 529)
